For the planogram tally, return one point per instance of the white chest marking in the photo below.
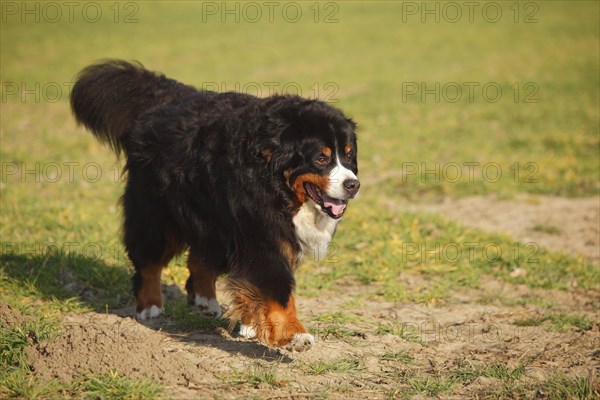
(315, 230)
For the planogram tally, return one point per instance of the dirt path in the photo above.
(374, 349)
(559, 224)
(377, 349)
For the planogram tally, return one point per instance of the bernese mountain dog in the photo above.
(248, 185)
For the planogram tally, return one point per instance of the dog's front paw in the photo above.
(301, 342)
(247, 331)
(271, 322)
(149, 312)
(210, 307)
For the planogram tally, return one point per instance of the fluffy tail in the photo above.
(108, 98)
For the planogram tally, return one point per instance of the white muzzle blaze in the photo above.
(338, 175)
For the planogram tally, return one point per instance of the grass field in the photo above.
(445, 110)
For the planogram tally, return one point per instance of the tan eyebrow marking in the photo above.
(347, 149)
(327, 151)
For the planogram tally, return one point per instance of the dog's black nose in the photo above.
(352, 186)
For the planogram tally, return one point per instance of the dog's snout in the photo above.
(352, 186)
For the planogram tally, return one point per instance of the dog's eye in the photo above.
(350, 155)
(322, 159)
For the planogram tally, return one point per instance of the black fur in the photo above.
(208, 171)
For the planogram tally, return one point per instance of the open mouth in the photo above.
(333, 207)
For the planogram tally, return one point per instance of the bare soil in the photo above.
(556, 223)
(438, 339)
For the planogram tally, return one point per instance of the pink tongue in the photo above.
(336, 206)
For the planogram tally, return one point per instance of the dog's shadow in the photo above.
(212, 332)
(56, 276)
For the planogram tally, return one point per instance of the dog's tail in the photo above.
(108, 97)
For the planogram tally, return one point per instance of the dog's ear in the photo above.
(266, 152)
(276, 143)
(274, 152)
(264, 148)
(269, 146)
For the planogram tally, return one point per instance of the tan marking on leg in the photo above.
(248, 305)
(275, 324)
(282, 323)
(149, 292)
(203, 279)
(201, 287)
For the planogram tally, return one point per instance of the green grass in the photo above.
(380, 248)
(547, 228)
(557, 322)
(335, 331)
(503, 382)
(501, 371)
(112, 386)
(60, 237)
(560, 386)
(402, 356)
(258, 374)
(342, 366)
(14, 339)
(108, 385)
(497, 296)
(557, 386)
(14, 369)
(507, 381)
(184, 317)
(338, 317)
(333, 325)
(554, 141)
(430, 385)
(406, 331)
(66, 281)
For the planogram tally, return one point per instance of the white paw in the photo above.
(151, 312)
(247, 332)
(209, 306)
(301, 342)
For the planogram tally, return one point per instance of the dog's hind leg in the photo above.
(201, 285)
(151, 241)
(146, 287)
(148, 268)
